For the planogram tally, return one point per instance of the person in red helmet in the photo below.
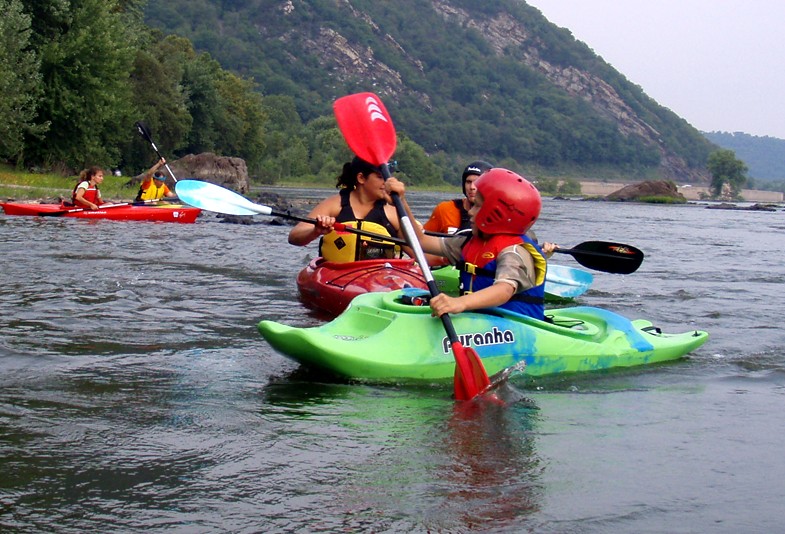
(500, 265)
(452, 216)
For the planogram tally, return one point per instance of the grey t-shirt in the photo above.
(514, 265)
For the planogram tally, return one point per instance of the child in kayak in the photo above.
(86, 193)
(501, 265)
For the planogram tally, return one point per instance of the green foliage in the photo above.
(86, 50)
(414, 165)
(20, 81)
(478, 100)
(764, 156)
(662, 200)
(196, 105)
(725, 170)
(570, 187)
(254, 79)
(547, 186)
(161, 103)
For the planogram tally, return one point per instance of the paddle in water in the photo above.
(368, 130)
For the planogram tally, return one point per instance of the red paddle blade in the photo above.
(366, 126)
(471, 379)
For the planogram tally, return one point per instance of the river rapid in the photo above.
(137, 395)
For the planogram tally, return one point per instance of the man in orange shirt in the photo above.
(452, 215)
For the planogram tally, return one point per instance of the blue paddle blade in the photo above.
(215, 198)
(567, 282)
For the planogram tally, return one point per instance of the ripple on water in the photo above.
(136, 393)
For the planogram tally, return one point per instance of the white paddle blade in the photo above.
(215, 198)
(567, 282)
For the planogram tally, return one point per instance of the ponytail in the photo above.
(348, 177)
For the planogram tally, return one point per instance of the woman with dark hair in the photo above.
(86, 193)
(361, 202)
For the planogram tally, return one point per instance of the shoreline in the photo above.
(690, 192)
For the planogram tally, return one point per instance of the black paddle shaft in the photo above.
(351, 229)
(145, 132)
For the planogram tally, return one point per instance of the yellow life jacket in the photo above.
(151, 192)
(344, 246)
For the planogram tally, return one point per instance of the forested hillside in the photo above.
(461, 78)
(764, 156)
(256, 79)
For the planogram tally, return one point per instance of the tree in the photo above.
(570, 187)
(160, 102)
(726, 169)
(415, 166)
(20, 81)
(87, 49)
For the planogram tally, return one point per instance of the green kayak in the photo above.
(382, 338)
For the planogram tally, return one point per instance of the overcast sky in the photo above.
(719, 64)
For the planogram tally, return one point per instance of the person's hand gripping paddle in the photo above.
(368, 130)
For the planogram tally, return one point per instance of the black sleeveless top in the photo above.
(376, 215)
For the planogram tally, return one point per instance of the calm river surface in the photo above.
(137, 395)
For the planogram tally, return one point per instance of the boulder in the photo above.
(649, 188)
(228, 172)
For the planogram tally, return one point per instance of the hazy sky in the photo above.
(719, 64)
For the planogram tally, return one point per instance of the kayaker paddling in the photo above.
(452, 216)
(361, 202)
(500, 265)
(153, 186)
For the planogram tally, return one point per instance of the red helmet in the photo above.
(510, 203)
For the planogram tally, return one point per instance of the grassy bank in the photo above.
(22, 185)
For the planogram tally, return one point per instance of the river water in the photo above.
(137, 395)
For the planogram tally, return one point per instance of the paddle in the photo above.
(616, 258)
(77, 210)
(162, 200)
(145, 132)
(215, 198)
(368, 130)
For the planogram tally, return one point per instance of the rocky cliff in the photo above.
(503, 32)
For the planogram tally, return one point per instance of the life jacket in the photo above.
(478, 271)
(344, 246)
(91, 193)
(148, 191)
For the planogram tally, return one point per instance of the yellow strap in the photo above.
(540, 263)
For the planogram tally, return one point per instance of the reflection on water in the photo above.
(136, 393)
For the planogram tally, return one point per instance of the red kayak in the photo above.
(115, 212)
(330, 286)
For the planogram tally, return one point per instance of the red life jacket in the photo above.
(91, 193)
(478, 271)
